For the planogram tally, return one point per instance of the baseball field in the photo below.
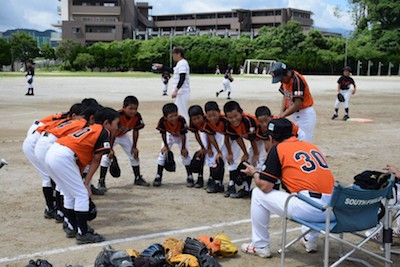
(136, 217)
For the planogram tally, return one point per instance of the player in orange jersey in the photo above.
(297, 100)
(301, 167)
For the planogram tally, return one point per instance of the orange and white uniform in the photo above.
(49, 134)
(33, 136)
(71, 153)
(174, 136)
(305, 117)
(247, 130)
(125, 140)
(301, 167)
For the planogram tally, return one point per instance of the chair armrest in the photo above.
(312, 202)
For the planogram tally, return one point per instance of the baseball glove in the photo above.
(184, 260)
(115, 171)
(92, 210)
(39, 263)
(194, 247)
(133, 253)
(156, 253)
(30, 81)
(170, 165)
(173, 247)
(213, 245)
(208, 261)
(110, 257)
(197, 162)
(228, 249)
(340, 97)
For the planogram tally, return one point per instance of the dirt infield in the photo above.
(136, 217)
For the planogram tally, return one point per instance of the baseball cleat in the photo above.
(140, 181)
(346, 117)
(241, 194)
(231, 189)
(89, 238)
(97, 191)
(248, 248)
(334, 116)
(190, 181)
(50, 214)
(102, 184)
(199, 183)
(157, 181)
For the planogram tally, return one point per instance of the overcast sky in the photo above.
(39, 14)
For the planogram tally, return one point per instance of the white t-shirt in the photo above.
(181, 67)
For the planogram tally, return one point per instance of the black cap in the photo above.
(277, 71)
(280, 129)
(348, 68)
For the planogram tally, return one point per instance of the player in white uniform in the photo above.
(226, 83)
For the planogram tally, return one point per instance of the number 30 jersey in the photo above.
(300, 166)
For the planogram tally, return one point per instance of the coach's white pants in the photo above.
(306, 120)
(262, 155)
(62, 166)
(29, 149)
(45, 141)
(227, 85)
(126, 142)
(170, 141)
(181, 101)
(346, 94)
(265, 204)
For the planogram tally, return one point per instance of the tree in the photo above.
(48, 52)
(64, 49)
(5, 52)
(23, 47)
(84, 61)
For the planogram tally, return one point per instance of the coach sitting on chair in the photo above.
(301, 167)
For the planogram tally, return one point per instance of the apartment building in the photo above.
(237, 20)
(90, 21)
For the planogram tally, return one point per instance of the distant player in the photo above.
(344, 86)
(165, 76)
(227, 82)
(30, 72)
(297, 100)
(180, 80)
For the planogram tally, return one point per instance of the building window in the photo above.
(76, 30)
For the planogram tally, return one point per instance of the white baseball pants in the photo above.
(171, 140)
(346, 94)
(265, 204)
(61, 164)
(227, 85)
(125, 141)
(306, 120)
(45, 141)
(181, 101)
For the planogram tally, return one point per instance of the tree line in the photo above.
(376, 38)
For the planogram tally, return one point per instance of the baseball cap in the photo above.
(347, 68)
(280, 129)
(278, 69)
